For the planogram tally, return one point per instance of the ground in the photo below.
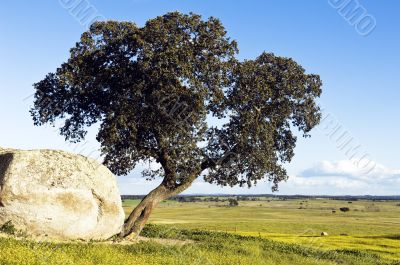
(373, 226)
(270, 231)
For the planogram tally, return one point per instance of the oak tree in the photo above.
(173, 92)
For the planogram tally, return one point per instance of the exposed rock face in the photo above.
(58, 194)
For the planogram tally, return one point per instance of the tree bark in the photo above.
(139, 216)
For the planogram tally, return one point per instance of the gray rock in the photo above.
(58, 194)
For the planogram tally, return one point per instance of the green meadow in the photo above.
(369, 226)
(267, 232)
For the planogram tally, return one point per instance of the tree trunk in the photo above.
(139, 216)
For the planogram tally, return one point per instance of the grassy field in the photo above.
(256, 232)
(203, 248)
(368, 226)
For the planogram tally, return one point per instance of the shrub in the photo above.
(233, 202)
(344, 209)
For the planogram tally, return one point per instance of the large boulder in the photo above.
(59, 195)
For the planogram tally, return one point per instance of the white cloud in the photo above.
(344, 177)
(334, 182)
(351, 169)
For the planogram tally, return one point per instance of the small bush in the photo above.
(344, 209)
(233, 202)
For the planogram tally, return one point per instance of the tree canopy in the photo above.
(154, 91)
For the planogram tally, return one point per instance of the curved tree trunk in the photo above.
(139, 216)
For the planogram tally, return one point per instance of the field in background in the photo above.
(371, 226)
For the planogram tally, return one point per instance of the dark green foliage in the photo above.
(233, 202)
(8, 228)
(344, 209)
(152, 88)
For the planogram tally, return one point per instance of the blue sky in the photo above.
(360, 76)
